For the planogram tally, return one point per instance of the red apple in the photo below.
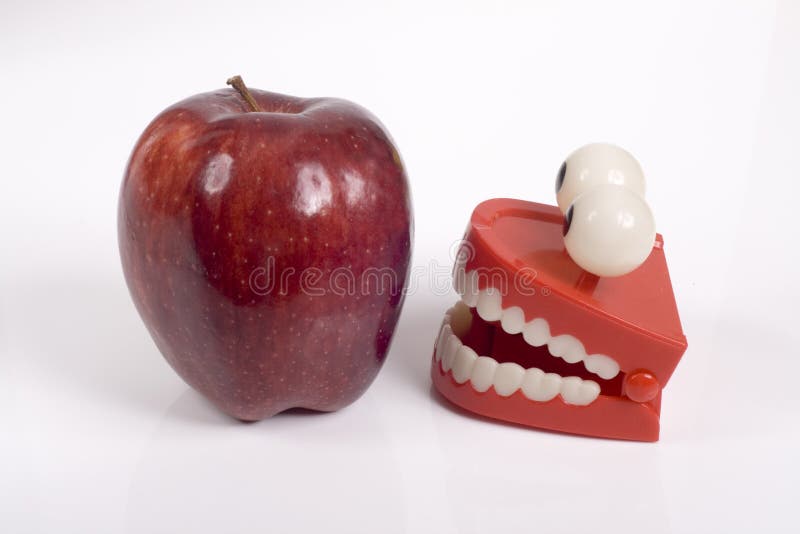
(265, 240)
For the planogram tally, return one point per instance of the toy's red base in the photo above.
(607, 417)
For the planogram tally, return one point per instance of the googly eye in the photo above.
(597, 164)
(609, 231)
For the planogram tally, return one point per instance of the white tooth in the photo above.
(579, 392)
(540, 386)
(550, 385)
(567, 347)
(513, 320)
(508, 378)
(575, 353)
(445, 319)
(483, 373)
(490, 304)
(461, 318)
(470, 296)
(451, 346)
(590, 390)
(570, 389)
(536, 332)
(462, 367)
(444, 333)
(602, 366)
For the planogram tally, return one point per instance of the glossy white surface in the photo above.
(598, 164)
(611, 231)
(508, 378)
(601, 365)
(97, 434)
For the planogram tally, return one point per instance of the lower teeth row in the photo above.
(484, 372)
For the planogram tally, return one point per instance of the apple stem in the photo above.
(237, 83)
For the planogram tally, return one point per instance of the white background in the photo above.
(484, 99)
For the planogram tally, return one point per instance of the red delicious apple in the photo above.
(265, 240)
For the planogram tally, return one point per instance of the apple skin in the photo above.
(214, 191)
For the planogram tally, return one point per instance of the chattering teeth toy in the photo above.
(567, 319)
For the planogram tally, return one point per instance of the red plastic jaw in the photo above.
(628, 324)
(606, 417)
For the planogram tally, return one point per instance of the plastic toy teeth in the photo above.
(567, 319)
(509, 377)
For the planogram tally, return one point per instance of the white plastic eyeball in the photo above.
(609, 231)
(597, 164)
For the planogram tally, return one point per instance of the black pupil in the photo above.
(567, 220)
(560, 179)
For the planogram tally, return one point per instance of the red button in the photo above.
(641, 386)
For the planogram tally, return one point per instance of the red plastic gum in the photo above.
(581, 354)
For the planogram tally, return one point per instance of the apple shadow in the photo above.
(191, 406)
(412, 347)
(85, 338)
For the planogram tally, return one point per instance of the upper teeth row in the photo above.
(484, 372)
(536, 332)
